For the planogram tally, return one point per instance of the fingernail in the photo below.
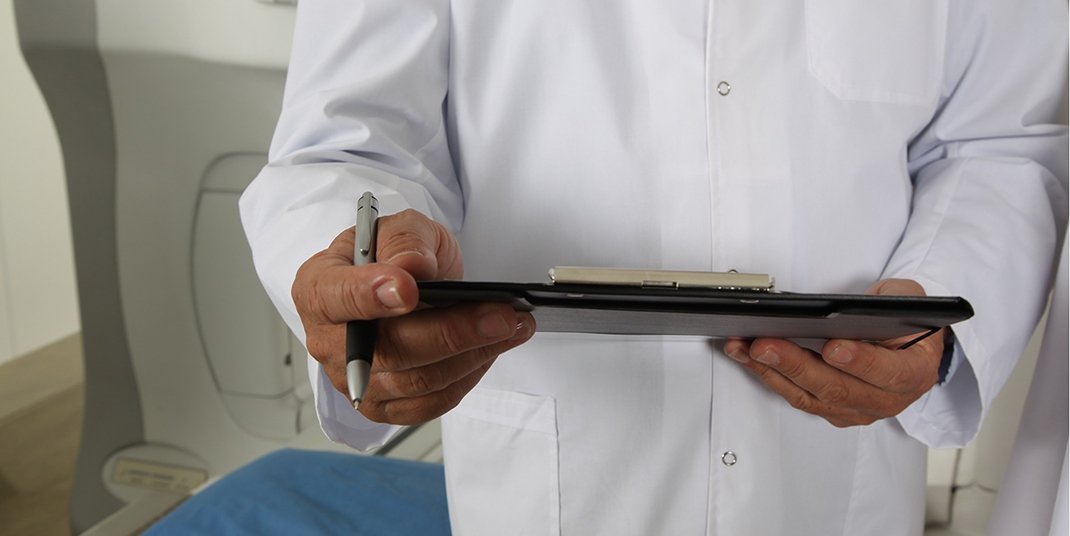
(387, 294)
(840, 355)
(523, 331)
(739, 355)
(493, 326)
(768, 357)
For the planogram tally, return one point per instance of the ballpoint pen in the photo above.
(360, 334)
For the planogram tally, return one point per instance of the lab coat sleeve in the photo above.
(990, 179)
(363, 110)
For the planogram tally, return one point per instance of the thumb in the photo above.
(420, 246)
(896, 287)
(902, 287)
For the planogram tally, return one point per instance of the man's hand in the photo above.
(851, 382)
(425, 361)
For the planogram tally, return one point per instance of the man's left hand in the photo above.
(851, 382)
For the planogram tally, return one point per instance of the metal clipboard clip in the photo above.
(661, 278)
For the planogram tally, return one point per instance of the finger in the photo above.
(801, 399)
(897, 371)
(436, 376)
(806, 370)
(896, 287)
(340, 251)
(431, 335)
(738, 349)
(340, 293)
(325, 349)
(328, 289)
(418, 245)
(423, 408)
(818, 390)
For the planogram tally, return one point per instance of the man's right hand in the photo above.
(425, 361)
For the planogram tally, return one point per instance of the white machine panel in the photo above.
(246, 343)
(237, 32)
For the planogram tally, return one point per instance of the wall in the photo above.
(38, 300)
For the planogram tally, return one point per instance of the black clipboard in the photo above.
(709, 312)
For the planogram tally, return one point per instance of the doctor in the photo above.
(831, 143)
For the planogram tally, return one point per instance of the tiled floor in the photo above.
(40, 423)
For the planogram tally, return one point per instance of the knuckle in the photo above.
(389, 355)
(350, 292)
(447, 399)
(378, 412)
(486, 354)
(397, 413)
(768, 375)
(800, 401)
(299, 291)
(451, 340)
(865, 366)
(405, 228)
(367, 409)
(409, 215)
(392, 413)
(448, 249)
(304, 289)
(834, 393)
(792, 368)
(321, 343)
(313, 298)
(319, 349)
(419, 383)
(405, 237)
(761, 371)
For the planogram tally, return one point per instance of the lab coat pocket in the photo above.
(877, 51)
(502, 464)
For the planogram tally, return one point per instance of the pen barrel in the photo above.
(360, 340)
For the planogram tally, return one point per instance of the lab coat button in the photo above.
(724, 88)
(728, 458)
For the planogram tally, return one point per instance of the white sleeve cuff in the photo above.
(949, 415)
(339, 421)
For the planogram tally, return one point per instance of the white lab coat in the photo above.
(1032, 499)
(830, 143)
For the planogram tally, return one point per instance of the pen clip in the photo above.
(367, 216)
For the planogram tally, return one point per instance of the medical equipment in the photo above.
(165, 113)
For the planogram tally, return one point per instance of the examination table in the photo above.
(308, 492)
